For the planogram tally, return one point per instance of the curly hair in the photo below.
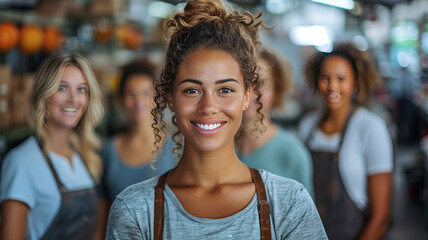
(281, 73)
(369, 76)
(83, 137)
(313, 67)
(212, 25)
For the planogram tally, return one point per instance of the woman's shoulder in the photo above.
(139, 192)
(288, 138)
(278, 185)
(368, 120)
(307, 122)
(24, 152)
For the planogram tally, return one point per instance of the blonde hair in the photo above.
(213, 25)
(83, 137)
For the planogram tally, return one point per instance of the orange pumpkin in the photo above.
(9, 36)
(31, 39)
(51, 41)
(129, 36)
(133, 39)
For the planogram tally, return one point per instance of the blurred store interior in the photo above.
(109, 33)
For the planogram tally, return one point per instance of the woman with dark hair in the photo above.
(128, 156)
(207, 81)
(275, 150)
(351, 151)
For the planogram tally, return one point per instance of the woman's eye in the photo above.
(341, 78)
(62, 89)
(191, 90)
(82, 90)
(323, 78)
(226, 90)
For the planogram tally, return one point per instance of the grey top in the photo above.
(293, 215)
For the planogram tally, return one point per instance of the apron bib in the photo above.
(342, 219)
(77, 215)
(264, 210)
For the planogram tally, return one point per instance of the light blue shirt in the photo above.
(284, 155)
(26, 177)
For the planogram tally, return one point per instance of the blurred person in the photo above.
(207, 81)
(127, 156)
(48, 181)
(275, 150)
(351, 151)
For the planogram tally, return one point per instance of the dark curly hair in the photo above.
(313, 67)
(141, 66)
(207, 24)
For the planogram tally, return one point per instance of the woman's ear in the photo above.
(170, 102)
(247, 97)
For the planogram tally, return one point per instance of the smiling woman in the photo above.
(207, 81)
(47, 182)
(351, 151)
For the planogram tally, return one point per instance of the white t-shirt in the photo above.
(26, 177)
(366, 150)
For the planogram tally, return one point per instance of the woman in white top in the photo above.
(47, 182)
(351, 150)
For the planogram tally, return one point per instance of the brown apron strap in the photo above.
(264, 211)
(61, 187)
(159, 200)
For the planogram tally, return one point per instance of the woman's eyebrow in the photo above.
(217, 82)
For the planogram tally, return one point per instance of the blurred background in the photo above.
(392, 34)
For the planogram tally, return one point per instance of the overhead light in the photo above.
(345, 4)
(314, 35)
(160, 9)
(277, 6)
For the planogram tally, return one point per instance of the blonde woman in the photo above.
(47, 182)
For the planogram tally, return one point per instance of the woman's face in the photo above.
(208, 99)
(336, 82)
(266, 91)
(67, 105)
(138, 97)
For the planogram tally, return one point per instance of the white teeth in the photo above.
(208, 126)
(333, 96)
(70, 109)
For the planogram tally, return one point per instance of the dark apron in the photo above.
(342, 219)
(77, 215)
(264, 210)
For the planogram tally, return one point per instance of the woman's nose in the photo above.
(208, 104)
(332, 85)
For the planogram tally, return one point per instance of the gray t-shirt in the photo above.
(293, 215)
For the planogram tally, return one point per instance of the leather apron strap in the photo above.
(77, 215)
(159, 203)
(264, 210)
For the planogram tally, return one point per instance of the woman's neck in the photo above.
(254, 138)
(208, 169)
(335, 119)
(142, 131)
(59, 141)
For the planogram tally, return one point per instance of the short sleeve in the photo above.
(378, 148)
(305, 221)
(121, 223)
(17, 181)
